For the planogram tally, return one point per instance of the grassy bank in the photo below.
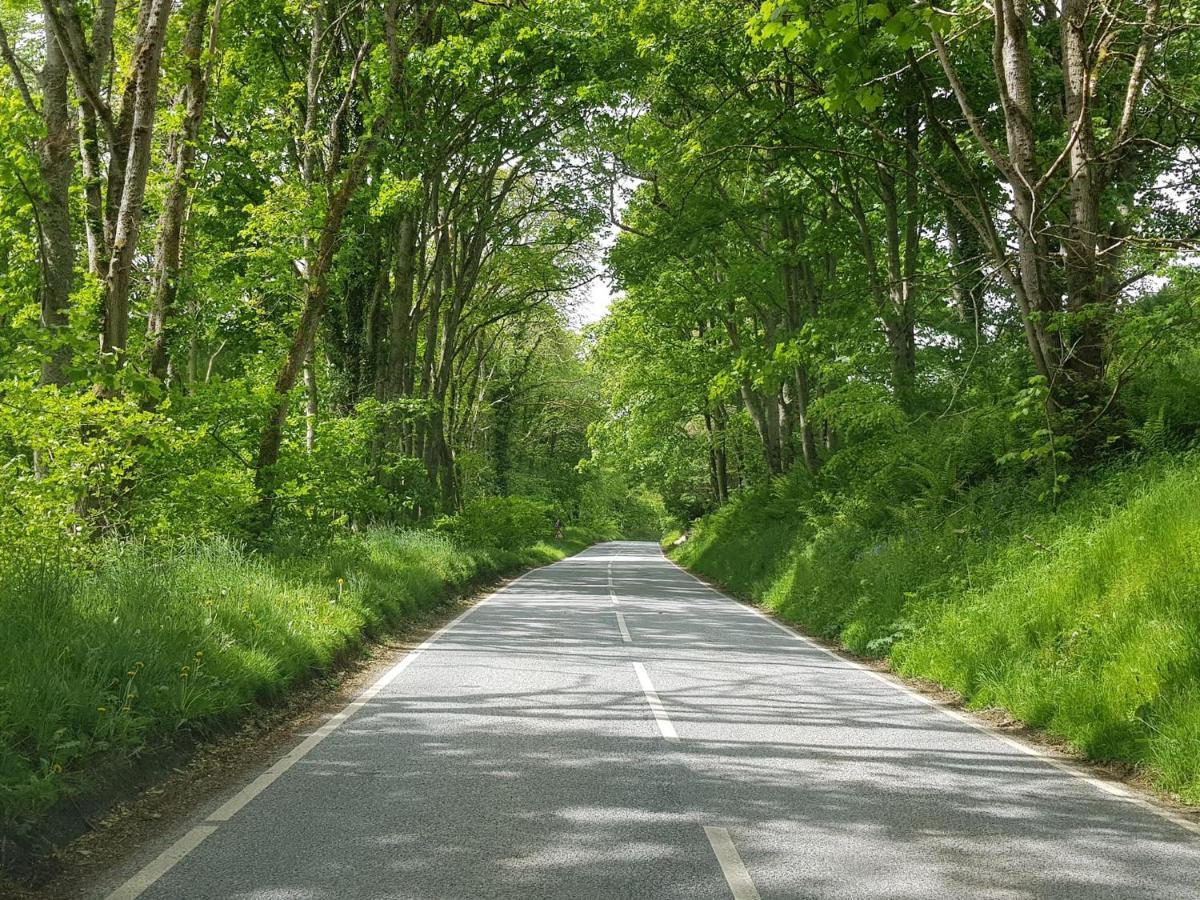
(1082, 620)
(146, 642)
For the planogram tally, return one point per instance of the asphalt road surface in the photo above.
(609, 728)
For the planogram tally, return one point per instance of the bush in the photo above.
(500, 523)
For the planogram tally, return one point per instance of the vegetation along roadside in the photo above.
(178, 645)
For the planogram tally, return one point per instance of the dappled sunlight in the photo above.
(518, 758)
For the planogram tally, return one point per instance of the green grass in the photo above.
(1083, 621)
(150, 641)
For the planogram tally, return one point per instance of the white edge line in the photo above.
(732, 867)
(156, 869)
(656, 707)
(625, 636)
(1055, 762)
(160, 865)
(230, 807)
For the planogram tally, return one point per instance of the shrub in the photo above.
(500, 523)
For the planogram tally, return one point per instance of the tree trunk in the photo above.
(721, 452)
(115, 337)
(966, 287)
(311, 402)
(902, 220)
(181, 154)
(391, 384)
(98, 240)
(93, 192)
(808, 444)
(1085, 350)
(765, 416)
(55, 162)
(713, 484)
(1015, 83)
(181, 157)
(802, 304)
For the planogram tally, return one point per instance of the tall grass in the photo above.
(149, 641)
(1084, 620)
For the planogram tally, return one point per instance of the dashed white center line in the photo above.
(612, 593)
(732, 866)
(624, 629)
(656, 707)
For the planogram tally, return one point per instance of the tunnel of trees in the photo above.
(315, 261)
(298, 280)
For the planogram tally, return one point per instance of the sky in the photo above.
(596, 299)
(598, 294)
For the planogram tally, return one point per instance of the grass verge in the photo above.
(1083, 621)
(123, 657)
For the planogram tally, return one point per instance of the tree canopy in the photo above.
(314, 264)
(294, 263)
(855, 222)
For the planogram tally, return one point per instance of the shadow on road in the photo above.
(518, 759)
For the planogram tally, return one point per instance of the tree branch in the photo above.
(18, 76)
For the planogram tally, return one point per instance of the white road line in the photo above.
(163, 863)
(624, 629)
(656, 707)
(139, 883)
(612, 593)
(1055, 762)
(231, 806)
(731, 864)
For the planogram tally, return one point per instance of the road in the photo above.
(610, 728)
